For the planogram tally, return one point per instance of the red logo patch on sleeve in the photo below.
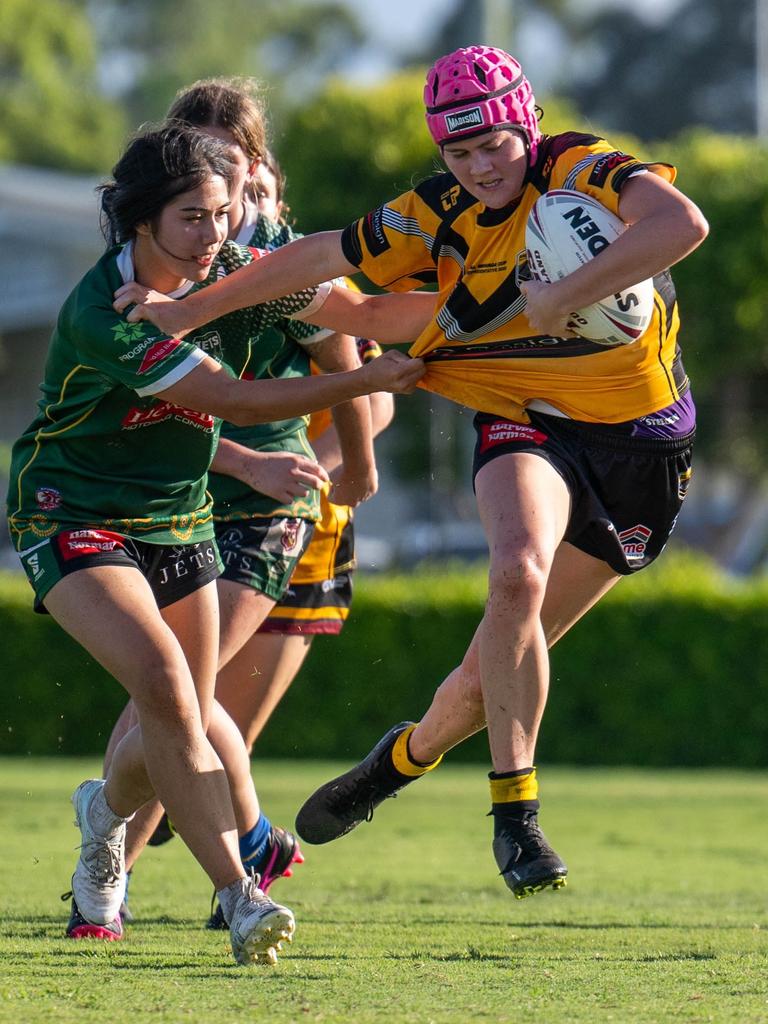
(157, 352)
(506, 431)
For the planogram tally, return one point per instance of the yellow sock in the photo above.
(512, 789)
(402, 761)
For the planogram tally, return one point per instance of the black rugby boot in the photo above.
(343, 803)
(526, 861)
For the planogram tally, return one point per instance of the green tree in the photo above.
(288, 43)
(53, 114)
(723, 291)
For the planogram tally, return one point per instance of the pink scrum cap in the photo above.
(475, 90)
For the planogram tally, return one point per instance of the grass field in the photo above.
(664, 918)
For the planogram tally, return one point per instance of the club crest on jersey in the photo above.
(47, 498)
(634, 541)
(472, 118)
(157, 353)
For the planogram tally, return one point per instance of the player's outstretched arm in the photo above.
(394, 318)
(210, 388)
(304, 262)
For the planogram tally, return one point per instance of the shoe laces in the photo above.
(102, 858)
(527, 834)
(365, 788)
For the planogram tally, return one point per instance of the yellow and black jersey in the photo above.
(331, 550)
(479, 347)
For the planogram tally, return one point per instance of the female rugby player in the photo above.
(581, 449)
(109, 511)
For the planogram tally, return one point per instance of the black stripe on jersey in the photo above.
(551, 148)
(671, 383)
(527, 348)
(471, 315)
(665, 286)
(350, 245)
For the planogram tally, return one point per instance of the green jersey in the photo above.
(103, 451)
(279, 351)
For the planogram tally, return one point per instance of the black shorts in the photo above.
(626, 492)
(172, 570)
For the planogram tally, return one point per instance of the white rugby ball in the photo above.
(566, 229)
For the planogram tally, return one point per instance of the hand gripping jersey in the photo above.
(278, 351)
(103, 451)
(480, 348)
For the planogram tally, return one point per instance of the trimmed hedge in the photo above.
(670, 669)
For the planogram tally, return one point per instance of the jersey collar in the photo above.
(127, 268)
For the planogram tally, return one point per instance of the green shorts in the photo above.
(262, 553)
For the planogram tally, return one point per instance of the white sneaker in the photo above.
(98, 883)
(259, 927)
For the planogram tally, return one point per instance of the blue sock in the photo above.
(254, 843)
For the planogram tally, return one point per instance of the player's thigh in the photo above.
(242, 610)
(255, 679)
(524, 505)
(110, 610)
(577, 581)
(194, 620)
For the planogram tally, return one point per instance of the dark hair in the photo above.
(230, 103)
(158, 164)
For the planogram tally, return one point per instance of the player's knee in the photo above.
(517, 580)
(166, 693)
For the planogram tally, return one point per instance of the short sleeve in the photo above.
(600, 170)
(393, 245)
(137, 356)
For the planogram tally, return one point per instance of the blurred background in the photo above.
(684, 81)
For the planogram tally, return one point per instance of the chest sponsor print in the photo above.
(160, 412)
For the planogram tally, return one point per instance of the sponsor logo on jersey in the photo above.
(373, 232)
(605, 165)
(497, 266)
(450, 198)
(47, 498)
(472, 118)
(157, 352)
(634, 542)
(137, 349)
(127, 333)
(506, 431)
(162, 411)
(79, 543)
